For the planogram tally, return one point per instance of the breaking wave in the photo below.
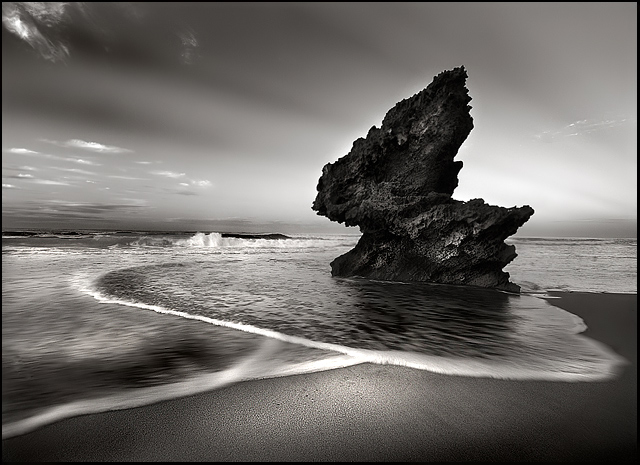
(219, 240)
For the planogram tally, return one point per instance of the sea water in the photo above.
(94, 320)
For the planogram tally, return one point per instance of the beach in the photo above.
(373, 412)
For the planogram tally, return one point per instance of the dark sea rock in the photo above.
(396, 185)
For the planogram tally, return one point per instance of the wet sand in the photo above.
(376, 413)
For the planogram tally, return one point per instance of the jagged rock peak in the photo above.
(396, 185)
(411, 155)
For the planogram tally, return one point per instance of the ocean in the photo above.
(99, 320)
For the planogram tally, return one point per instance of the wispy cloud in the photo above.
(20, 151)
(189, 45)
(32, 153)
(192, 183)
(187, 182)
(203, 183)
(168, 174)
(88, 207)
(32, 179)
(581, 127)
(75, 171)
(43, 25)
(62, 210)
(128, 178)
(20, 176)
(8, 186)
(131, 202)
(50, 182)
(85, 145)
(19, 169)
(81, 161)
(31, 22)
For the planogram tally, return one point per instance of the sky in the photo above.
(220, 116)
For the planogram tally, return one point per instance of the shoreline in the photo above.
(376, 412)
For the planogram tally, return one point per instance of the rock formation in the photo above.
(396, 185)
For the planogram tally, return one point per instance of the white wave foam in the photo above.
(216, 240)
(604, 364)
(260, 364)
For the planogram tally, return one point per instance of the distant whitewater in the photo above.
(129, 318)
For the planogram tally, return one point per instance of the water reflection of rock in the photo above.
(436, 319)
(432, 319)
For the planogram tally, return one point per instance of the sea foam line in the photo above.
(606, 367)
(256, 366)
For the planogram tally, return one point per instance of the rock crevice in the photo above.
(396, 185)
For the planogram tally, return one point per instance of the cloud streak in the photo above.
(192, 183)
(20, 176)
(189, 45)
(168, 174)
(32, 21)
(75, 171)
(57, 210)
(126, 178)
(85, 145)
(186, 185)
(49, 182)
(581, 127)
(51, 29)
(204, 183)
(32, 179)
(21, 151)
